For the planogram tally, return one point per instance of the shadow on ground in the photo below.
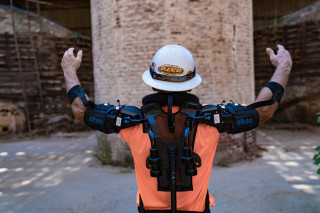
(62, 175)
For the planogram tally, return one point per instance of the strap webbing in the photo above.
(277, 93)
(77, 91)
(142, 210)
(170, 116)
(276, 89)
(152, 122)
(262, 103)
(194, 135)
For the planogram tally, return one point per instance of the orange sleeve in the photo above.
(129, 133)
(125, 134)
(211, 200)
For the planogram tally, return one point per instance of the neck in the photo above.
(162, 98)
(163, 91)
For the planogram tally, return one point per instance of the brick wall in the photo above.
(126, 34)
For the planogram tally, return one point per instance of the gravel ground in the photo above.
(61, 175)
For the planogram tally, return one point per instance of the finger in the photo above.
(70, 51)
(66, 52)
(270, 52)
(280, 47)
(79, 55)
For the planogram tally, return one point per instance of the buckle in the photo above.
(152, 108)
(188, 107)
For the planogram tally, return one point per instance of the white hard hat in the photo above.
(172, 69)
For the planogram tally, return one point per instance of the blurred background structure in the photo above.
(296, 25)
(227, 38)
(32, 92)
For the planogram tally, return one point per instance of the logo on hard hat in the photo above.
(153, 67)
(170, 69)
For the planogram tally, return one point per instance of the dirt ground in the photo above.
(61, 174)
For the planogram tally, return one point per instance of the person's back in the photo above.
(173, 138)
(205, 146)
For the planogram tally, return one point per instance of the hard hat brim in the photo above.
(171, 86)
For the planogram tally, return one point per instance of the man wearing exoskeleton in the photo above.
(173, 138)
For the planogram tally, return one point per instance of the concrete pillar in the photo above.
(126, 34)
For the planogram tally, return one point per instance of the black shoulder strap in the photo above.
(151, 111)
(170, 116)
(191, 109)
(262, 103)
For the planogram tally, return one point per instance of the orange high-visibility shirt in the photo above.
(205, 146)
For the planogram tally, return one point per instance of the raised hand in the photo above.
(281, 59)
(69, 62)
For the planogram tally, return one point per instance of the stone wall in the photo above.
(126, 34)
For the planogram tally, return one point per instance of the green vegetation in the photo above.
(224, 164)
(316, 157)
(104, 150)
(104, 154)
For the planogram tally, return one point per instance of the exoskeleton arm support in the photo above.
(230, 118)
(235, 118)
(111, 119)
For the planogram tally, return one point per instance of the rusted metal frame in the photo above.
(304, 39)
(8, 64)
(264, 17)
(20, 67)
(52, 4)
(36, 69)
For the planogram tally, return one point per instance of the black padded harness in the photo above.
(167, 158)
(162, 98)
(169, 100)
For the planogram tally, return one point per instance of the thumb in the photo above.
(79, 55)
(270, 52)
